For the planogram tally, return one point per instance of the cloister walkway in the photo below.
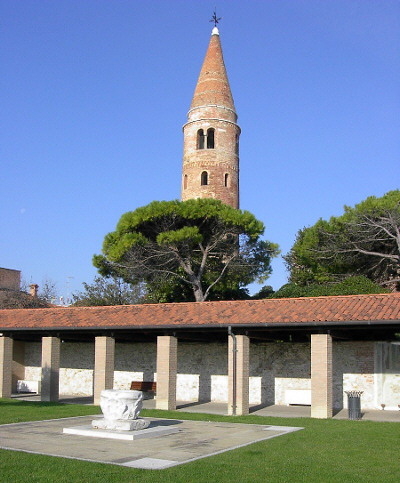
(221, 408)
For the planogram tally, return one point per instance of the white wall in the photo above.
(202, 370)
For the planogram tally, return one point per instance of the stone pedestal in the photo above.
(121, 424)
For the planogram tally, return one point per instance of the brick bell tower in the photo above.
(211, 135)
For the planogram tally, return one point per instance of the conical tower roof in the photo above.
(213, 86)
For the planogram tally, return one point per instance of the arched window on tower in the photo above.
(210, 138)
(200, 139)
(185, 181)
(204, 178)
(237, 144)
(226, 179)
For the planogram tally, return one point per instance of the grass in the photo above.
(325, 451)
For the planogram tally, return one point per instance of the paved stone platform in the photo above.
(193, 440)
(155, 429)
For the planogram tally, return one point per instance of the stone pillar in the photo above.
(167, 363)
(103, 366)
(239, 386)
(50, 368)
(321, 376)
(18, 368)
(6, 350)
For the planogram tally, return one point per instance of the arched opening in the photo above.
(210, 138)
(185, 181)
(204, 178)
(237, 144)
(200, 139)
(226, 179)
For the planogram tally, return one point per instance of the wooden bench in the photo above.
(145, 386)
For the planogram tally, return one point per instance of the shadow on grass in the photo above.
(80, 400)
(12, 411)
(20, 403)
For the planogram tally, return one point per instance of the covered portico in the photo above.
(236, 328)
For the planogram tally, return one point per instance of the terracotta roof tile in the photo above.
(213, 85)
(351, 308)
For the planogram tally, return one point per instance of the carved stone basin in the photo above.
(121, 410)
(121, 404)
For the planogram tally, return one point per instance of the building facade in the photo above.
(10, 279)
(305, 351)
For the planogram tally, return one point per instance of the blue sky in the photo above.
(94, 94)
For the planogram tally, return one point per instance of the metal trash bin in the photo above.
(354, 404)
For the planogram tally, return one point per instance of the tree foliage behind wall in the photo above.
(350, 286)
(21, 300)
(109, 291)
(365, 240)
(200, 245)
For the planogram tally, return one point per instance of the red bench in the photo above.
(144, 386)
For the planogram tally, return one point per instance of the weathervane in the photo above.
(214, 18)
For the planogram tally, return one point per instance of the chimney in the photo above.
(33, 290)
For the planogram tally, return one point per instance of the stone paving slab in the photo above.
(193, 440)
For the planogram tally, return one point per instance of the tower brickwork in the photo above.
(211, 134)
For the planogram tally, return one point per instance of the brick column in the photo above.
(321, 376)
(167, 362)
(103, 366)
(18, 368)
(6, 350)
(242, 375)
(50, 368)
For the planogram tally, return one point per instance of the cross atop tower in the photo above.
(214, 18)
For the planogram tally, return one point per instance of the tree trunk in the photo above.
(197, 289)
(198, 295)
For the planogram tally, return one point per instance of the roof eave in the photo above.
(261, 325)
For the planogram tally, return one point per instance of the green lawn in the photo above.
(325, 451)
